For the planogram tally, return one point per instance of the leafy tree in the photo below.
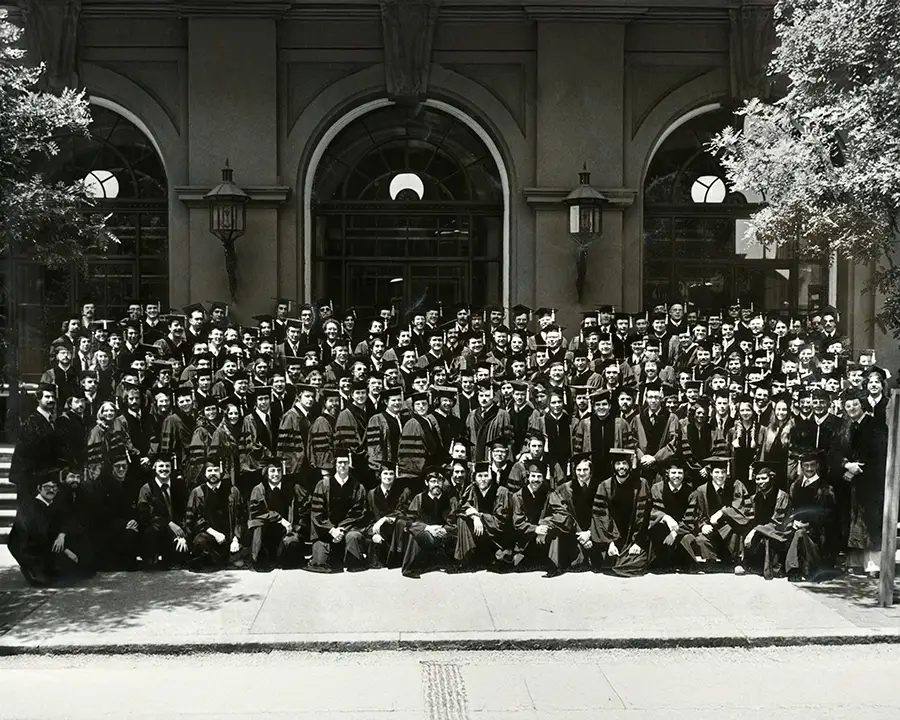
(825, 156)
(48, 220)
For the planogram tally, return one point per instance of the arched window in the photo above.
(125, 173)
(407, 203)
(695, 247)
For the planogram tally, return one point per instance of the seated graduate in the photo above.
(112, 525)
(339, 518)
(160, 511)
(531, 526)
(766, 540)
(717, 515)
(431, 527)
(622, 517)
(37, 539)
(215, 519)
(387, 505)
(484, 525)
(812, 523)
(570, 515)
(672, 547)
(74, 504)
(279, 515)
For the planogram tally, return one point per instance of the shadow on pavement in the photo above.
(121, 601)
(859, 590)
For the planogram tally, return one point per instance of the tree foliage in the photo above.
(45, 218)
(825, 155)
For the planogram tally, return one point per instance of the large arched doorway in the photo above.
(408, 204)
(127, 176)
(694, 227)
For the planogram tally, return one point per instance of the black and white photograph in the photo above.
(449, 359)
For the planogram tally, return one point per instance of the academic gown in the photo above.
(815, 544)
(674, 503)
(725, 542)
(570, 510)
(394, 504)
(425, 551)
(153, 516)
(419, 447)
(338, 506)
(769, 511)
(529, 510)
(220, 508)
(622, 516)
(494, 507)
(34, 530)
(270, 542)
(111, 506)
(36, 455)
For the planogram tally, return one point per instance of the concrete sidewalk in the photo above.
(180, 611)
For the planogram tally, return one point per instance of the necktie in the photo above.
(165, 493)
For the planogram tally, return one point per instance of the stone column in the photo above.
(580, 100)
(233, 115)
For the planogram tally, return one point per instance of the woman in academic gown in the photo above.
(622, 517)
(861, 454)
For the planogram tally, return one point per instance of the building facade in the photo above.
(422, 141)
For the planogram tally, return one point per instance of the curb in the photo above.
(487, 643)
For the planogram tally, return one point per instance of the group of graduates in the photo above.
(662, 440)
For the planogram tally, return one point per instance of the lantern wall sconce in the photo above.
(228, 220)
(585, 223)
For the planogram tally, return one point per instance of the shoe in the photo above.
(262, 568)
(739, 570)
(556, 572)
(317, 569)
(413, 574)
(356, 568)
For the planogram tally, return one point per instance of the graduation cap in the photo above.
(417, 396)
(106, 325)
(520, 310)
(721, 462)
(810, 456)
(605, 309)
(152, 304)
(264, 318)
(173, 317)
(616, 454)
(544, 312)
(444, 391)
(392, 392)
(765, 467)
(481, 467)
(192, 308)
(184, 392)
(262, 391)
(577, 459)
(535, 466)
(218, 305)
(149, 350)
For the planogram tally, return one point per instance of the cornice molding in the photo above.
(551, 198)
(454, 10)
(262, 197)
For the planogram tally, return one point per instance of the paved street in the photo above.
(851, 682)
